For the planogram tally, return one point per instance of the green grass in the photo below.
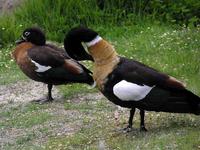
(23, 117)
(8, 69)
(96, 127)
(57, 18)
(90, 123)
(165, 131)
(73, 89)
(11, 76)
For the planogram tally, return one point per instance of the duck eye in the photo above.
(26, 33)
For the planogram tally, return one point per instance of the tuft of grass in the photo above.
(10, 29)
(56, 18)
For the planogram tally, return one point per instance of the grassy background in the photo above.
(88, 122)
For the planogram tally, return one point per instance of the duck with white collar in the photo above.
(129, 83)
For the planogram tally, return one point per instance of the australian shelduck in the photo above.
(129, 83)
(47, 63)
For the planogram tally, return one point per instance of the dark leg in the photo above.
(142, 125)
(49, 96)
(130, 121)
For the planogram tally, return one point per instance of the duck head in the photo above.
(73, 43)
(34, 35)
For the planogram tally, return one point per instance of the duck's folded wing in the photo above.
(135, 72)
(45, 58)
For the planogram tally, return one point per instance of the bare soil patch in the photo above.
(25, 91)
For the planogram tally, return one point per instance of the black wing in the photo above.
(46, 56)
(133, 71)
(59, 50)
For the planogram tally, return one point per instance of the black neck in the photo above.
(73, 39)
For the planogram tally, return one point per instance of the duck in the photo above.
(47, 63)
(127, 82)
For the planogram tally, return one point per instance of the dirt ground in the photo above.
(25, 91)
(19, 95)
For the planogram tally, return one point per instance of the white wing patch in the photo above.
(129, 91)
(40, 68)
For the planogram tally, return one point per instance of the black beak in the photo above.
(89, 57)
(21, 40)
(77, 51)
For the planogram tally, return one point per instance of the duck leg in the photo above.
(142, 125)
(130, 121)
(48, 98)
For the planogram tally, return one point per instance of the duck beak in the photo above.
(89, 57)
(21, 40)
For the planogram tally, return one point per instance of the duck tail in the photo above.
(194, 102)
(181, 101)
(89, 74)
